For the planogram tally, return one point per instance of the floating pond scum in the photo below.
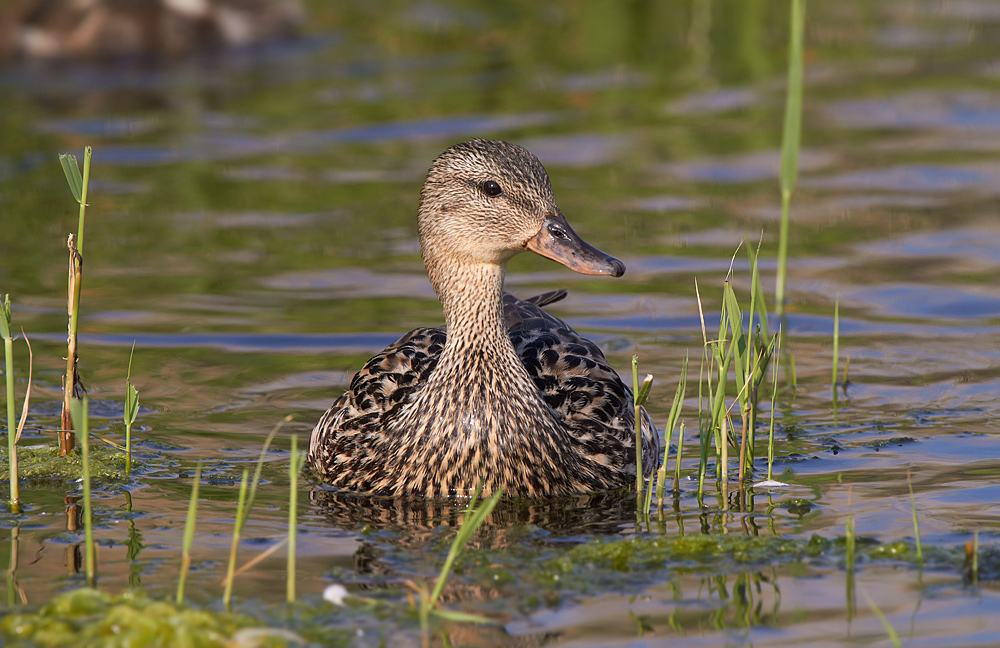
(255, 237)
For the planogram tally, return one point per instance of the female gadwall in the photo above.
(504, 395)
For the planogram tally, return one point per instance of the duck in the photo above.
(504, 396)
(105, 30)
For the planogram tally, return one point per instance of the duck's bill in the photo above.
(557, 241)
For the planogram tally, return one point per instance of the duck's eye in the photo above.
(557, 232)
(492, 188)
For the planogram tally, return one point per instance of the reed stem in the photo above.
(130, 413)
(8, 350)
(790, 144)
(916, 522)
(189, 525)
(836, 342)
(294, 466)
(87, 153)
(638, 428)
(774, 397)
(227, 594)
(677, 459)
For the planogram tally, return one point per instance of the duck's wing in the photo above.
(516, 311)
(577, 382)
(385, 384)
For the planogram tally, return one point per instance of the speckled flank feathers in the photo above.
(504, 394)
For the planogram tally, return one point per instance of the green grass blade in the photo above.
(71, 169)
(759, 304)
(740, 349)
(472, 522)
(295, 464)
(130, 412)
(8, 354)
(648, 498)
(774, 396)
(678, 403)
(668, 431)
(704, 425)
(718, 407)
(916, 521)
(227, 594)
(836, 341)
(677, 459)
(792, 131)
(638, 428)
(87, 152)
(259, 468)
(189, 525)
(790, 143)
(5, 318)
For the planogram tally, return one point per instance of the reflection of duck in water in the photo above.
(415, 519)
(105, 29)
(505, 394)
(408, 528)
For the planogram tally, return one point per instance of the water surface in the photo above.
(252, 230)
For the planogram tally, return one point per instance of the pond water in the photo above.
(251, 230)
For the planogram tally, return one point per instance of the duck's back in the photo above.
(577, 382)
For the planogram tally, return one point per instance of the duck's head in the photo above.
(485, 201)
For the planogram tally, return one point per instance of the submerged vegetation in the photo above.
(88, 617)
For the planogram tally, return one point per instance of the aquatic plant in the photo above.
(916, 522)
(79, 412)
(774, 396)
(13, 431)
(296, 461)
(130, 412)
(43, 462)
(189, 524)
(752, 351)
(87, 617)
(972, 558)
(72, 386)
(243, 505)
(668, 430)
(241, 512)
(8, 354)
(709, 418)
(639, 396)
(790, 143)
(748, 352)
(428, 600)
(679, 457)
(836, 344)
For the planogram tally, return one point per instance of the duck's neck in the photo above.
(479, 377)
(472, 296)
(479, 418)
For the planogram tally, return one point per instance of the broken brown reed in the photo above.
(72, 385)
